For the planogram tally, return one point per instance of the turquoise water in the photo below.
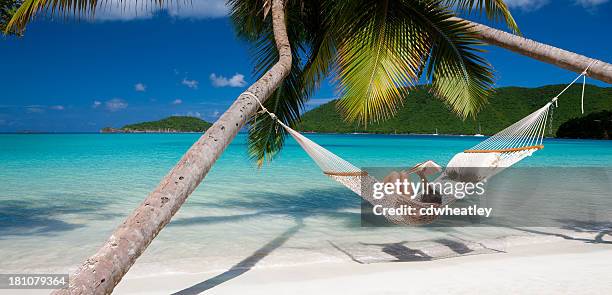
(62, 195)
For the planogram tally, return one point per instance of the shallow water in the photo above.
(62, 195)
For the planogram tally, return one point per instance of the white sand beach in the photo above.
(552, 266)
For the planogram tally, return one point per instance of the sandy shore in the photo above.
(555, 267)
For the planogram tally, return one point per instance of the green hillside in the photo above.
(594, 125)
(422, 113)
(170, 124)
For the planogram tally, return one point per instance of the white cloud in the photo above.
(528, 5)
(235, 81)
(96, 104)
(115, 104)
(57, 107)
(216, 114)
(190, 114)
(125, 10)
(139, 87)
(590, 3)
(194, 114)
(531, 5)
(177, 101)
(193, 84)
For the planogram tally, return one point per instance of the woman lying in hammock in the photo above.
(422, 170)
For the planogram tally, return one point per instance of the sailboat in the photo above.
(479, 132)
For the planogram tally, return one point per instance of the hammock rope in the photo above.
(482, 161)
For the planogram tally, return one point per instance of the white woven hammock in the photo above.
(478, 163)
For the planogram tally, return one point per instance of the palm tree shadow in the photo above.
(244, 265)
(401, 252)
(599, 229)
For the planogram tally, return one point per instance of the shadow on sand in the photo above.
(401, 252)
(244, 265)
(32, 217)
(598, 229)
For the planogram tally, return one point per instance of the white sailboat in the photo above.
(479, 132)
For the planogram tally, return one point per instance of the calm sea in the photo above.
(62, 195)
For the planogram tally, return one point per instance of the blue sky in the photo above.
(132, 64)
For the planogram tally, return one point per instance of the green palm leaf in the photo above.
(321, 40)
(459, 76)
(30, 8)
(381, 55)
(266, 137)
(495, 10)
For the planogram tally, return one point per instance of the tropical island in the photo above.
(173, 124)
(422, 113)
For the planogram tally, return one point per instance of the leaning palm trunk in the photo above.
(598, 69)
(100, 273)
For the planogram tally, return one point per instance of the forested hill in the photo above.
(170, 125)
(422, 113)
(596, 125)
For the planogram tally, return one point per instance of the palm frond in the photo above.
(459, 76)
(382, 55)
(248, 19)
(322, 42)
(266, 136)
(30, 8)
(495, 10)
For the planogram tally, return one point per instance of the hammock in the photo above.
(478, 163)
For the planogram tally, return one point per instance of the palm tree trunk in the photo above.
(599, 70)
(100, 273)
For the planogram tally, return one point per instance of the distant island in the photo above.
(422, 113)
(596, 125)
(173, 124)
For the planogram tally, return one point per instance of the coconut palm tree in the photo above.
(375, 50)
